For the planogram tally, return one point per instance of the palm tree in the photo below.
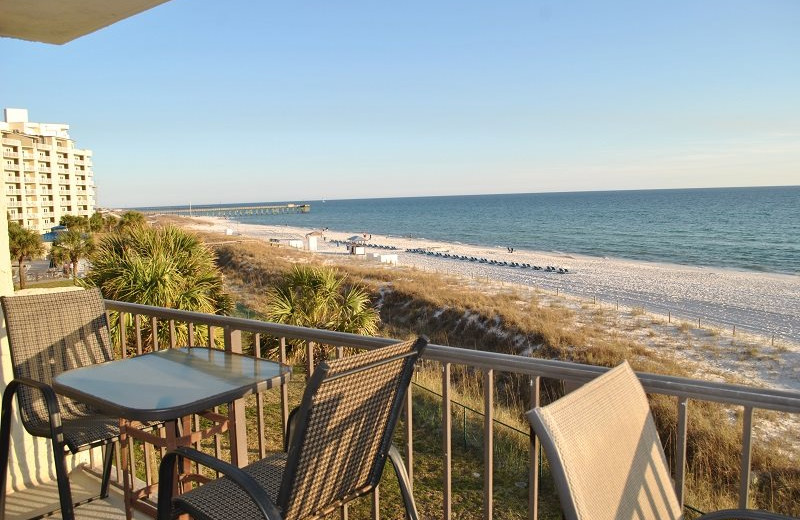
(165, 267)
(75, 222)
(23, 244)
(70, 246)
(96, 222)
(131, 220)
(318, 297)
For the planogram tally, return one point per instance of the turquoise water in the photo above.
(744, 228)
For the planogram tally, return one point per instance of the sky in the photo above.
(242, 101)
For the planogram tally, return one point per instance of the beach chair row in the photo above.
(500, 263)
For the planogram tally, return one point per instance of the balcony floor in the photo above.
(40, 499)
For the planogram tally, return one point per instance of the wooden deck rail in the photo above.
(490, 364)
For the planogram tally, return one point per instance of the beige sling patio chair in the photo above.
(338, 443)
(606, 457)
(49, 334)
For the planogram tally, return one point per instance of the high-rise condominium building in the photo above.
(45, 175)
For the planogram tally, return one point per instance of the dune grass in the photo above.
(478, 315)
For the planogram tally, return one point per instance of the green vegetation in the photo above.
(53, 283)
(71, 246)
(131, 220)
(165, 267)
(75, 222)
(322, 298)
(24, 245)
(99, 223)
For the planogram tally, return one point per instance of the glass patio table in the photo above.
(168, 385)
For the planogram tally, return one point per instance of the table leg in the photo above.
(172, 442)
(186, 467)
(127, 478)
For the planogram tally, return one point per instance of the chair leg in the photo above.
(109, 457)
(405, 484)
(5, 446)
(62, 478)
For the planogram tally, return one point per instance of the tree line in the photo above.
(71, 245)
(170, 267)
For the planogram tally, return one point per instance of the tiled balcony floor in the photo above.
(40, 499)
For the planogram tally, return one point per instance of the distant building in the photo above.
(45, 175)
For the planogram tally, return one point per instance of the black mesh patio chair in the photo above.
(49, 334)
(606, 458)
(338, 442)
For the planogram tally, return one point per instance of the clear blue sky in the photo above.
(206, 102)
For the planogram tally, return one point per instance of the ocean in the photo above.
(754, 229)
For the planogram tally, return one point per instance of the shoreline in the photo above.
(756, 302)
(645, 295)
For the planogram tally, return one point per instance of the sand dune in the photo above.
(761, 303)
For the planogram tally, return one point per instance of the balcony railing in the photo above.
(489, 365)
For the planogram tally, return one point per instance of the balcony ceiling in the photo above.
(60, 21)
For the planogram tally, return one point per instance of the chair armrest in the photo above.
(50, 399)
(744, 514)
(166, 475)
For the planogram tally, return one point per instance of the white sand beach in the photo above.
(758, 303)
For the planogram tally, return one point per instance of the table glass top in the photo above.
(169, 383)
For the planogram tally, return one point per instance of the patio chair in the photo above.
(49, 334)
(338, 442)
(605, 455)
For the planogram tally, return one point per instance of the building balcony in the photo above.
(12, 167)
(465, 476)
(9, 153)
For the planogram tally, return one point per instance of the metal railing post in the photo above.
(410, 438)
(447, 442)
(488, 443)
(236, 415)
(680, 449)
(747, 448)
(533, 470)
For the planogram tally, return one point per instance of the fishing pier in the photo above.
(234, 211)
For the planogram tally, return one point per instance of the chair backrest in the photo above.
(49, 334)
(344, 428)
(604, 451)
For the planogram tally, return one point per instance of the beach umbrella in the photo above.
(356, 238)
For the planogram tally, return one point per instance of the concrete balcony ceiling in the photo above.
(60, 21)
